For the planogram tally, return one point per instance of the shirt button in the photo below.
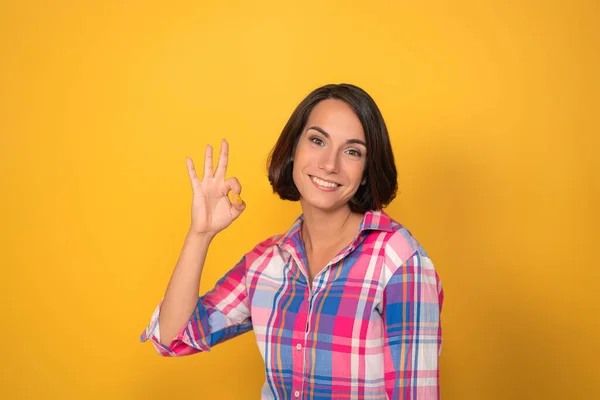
(298, 346)
(297, 393)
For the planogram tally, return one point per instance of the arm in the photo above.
(182, 292)
(411, 308)
(219, 315)
(212, 211)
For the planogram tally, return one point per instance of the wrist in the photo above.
(205, 236)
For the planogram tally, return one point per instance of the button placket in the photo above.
(299, 341)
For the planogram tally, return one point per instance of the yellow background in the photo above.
(492, 108)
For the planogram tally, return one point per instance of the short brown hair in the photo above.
(380, 170)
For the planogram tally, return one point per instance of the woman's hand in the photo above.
(212, 211)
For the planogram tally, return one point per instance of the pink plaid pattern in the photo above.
(369, 328)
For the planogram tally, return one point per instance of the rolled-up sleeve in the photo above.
(412, 305)
(221, 314)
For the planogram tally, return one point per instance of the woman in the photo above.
(346, 304)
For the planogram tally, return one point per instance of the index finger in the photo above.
(223, 160)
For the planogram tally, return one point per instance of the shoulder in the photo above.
(402, 251)
(263, 249)
(401, 245)
(407, 262)
(395, 239)
(408, 273)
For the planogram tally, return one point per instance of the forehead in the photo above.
(336, 118)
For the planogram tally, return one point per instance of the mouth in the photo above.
(324, 184)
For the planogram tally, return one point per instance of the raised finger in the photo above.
(223, 159)
(194, 180)
(208, 163)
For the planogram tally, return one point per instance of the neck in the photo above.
(321, 229)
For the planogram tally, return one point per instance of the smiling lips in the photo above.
(323, 184)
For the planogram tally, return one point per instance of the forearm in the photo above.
(181, 295)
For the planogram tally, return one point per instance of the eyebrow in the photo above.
(349, 141)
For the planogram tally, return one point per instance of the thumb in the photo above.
(238, 204)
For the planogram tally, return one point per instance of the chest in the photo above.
(317, 261)
(291, 284)
(340, 303)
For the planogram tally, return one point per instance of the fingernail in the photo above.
(238, 199)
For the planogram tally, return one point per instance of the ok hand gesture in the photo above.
(212, 211)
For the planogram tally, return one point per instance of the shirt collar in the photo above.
(377, 220)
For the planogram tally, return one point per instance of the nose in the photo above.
(329, 162)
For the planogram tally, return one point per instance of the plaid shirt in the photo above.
(368, 328)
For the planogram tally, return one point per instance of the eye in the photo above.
(317, 141)
(354, 152)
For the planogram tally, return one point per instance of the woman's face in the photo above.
(330, 156)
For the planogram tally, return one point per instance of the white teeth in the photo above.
(323, 183)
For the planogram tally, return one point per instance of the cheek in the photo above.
(356, 171)
(303, 157)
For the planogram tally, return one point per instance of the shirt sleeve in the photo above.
(221, 314)
(412, 303)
